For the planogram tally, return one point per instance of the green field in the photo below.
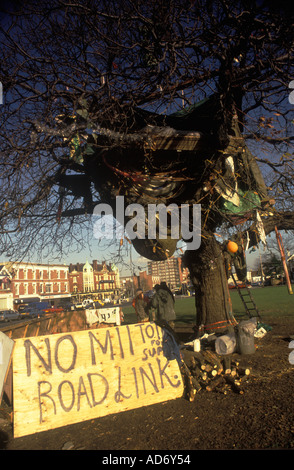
(270, 301)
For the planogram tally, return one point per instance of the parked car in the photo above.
(77, 306)
(88, 303)
(32, 312)
(66, 306)
(9, 315)
(52, 309)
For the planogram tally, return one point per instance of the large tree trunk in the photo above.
(209, 277)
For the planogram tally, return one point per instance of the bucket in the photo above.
(225, 344)
(245, 336)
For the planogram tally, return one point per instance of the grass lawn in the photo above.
(270, 301)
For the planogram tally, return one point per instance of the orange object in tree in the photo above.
(232, 247)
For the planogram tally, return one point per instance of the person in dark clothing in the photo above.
(141, 307)
(163, 303)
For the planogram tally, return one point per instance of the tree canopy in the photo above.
(83, 79)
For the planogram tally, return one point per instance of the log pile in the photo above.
(206, 370)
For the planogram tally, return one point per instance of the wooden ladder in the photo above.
(248, 301)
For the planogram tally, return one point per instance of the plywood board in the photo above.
(6, 348)
(67, 378)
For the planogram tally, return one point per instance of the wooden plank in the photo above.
(178, 142)
(70, 377)
(6, 348)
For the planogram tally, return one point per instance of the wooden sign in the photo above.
(6, 348)
(67, 378)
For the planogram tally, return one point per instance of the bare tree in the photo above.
(98, 95)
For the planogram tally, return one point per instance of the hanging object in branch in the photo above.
(260, 228)
(232, 247)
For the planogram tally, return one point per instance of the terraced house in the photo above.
(26, 282)
(97, 281)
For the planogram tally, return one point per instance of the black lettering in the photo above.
(144, 374)
(92, 388)
(44, 394)
(66, 408)
(74, 354)
(103, 348)
(145, 357)
(119, 394)
(130, 341)
(152, 352)
(80, 393)
(149, 333)
(136, 382)
(28, 346)
(120, 344)
(163, 373)
(141, 329)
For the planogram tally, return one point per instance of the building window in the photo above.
(48, 288)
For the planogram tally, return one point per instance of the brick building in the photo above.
(24, 282)
(100, 281)
(6, 295)
(170, 270)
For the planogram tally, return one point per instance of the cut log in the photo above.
(196, 371)
(188, 357)
(211, 358)
(219, 369)
(188, 381)
(233, 372)
(197, 386)
(243, 378)
(243, 371)
(214, 383)
(222, 389)
(227, 362)
(214, 357)
(204, 375)
(198, 357)
(234, 384)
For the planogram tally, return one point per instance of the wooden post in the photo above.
(282, 251)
